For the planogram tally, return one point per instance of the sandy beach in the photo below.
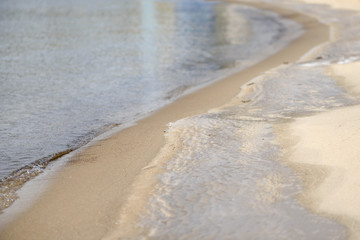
(323, 148)
(87, 195)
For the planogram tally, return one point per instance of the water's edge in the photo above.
(245, 75)
(222, 168)
(11, 184)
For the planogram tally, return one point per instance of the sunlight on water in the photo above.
(223, 177)
(70, 70)
(219, 176)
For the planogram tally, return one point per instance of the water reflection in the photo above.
(69, 68)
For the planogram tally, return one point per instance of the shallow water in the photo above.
(224, 178)
(71, 70)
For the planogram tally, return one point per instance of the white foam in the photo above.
(225, 181)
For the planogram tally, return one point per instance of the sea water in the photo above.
(70, 70)
(220, 174)
(224, 178)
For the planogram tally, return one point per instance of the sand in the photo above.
(340, 4)
(324, 148)
(86, 196)
(347, 75)
(326, 151)
(329, 142)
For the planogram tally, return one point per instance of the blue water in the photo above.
(72, 69)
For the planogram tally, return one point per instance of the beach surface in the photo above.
(85, 197)
(347, 4)
(327, 149)
(324, 148)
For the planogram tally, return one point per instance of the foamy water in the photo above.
(71, 70)
(225, 178)
(220, 173)
(220, 176)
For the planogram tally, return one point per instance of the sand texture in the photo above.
(348, 76)
(87, 195)
(329, 142)
(337, 134)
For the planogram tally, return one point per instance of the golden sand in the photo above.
(326, 146)
(85, 198)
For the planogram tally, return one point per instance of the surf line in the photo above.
(93, 186)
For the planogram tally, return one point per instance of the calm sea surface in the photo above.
(72, 69)
(222, 174)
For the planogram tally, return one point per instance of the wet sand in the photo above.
(324, 149)
(85, 197)
(327, 149)
(347, 4)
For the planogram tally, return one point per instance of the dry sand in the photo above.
(326, 150)
(86, 196)
(330, 142)
(348, 76)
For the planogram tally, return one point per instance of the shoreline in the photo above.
(321, 148)
(315, 150)
(140, 144)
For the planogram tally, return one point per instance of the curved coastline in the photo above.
(91, 179)
(321, 146)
